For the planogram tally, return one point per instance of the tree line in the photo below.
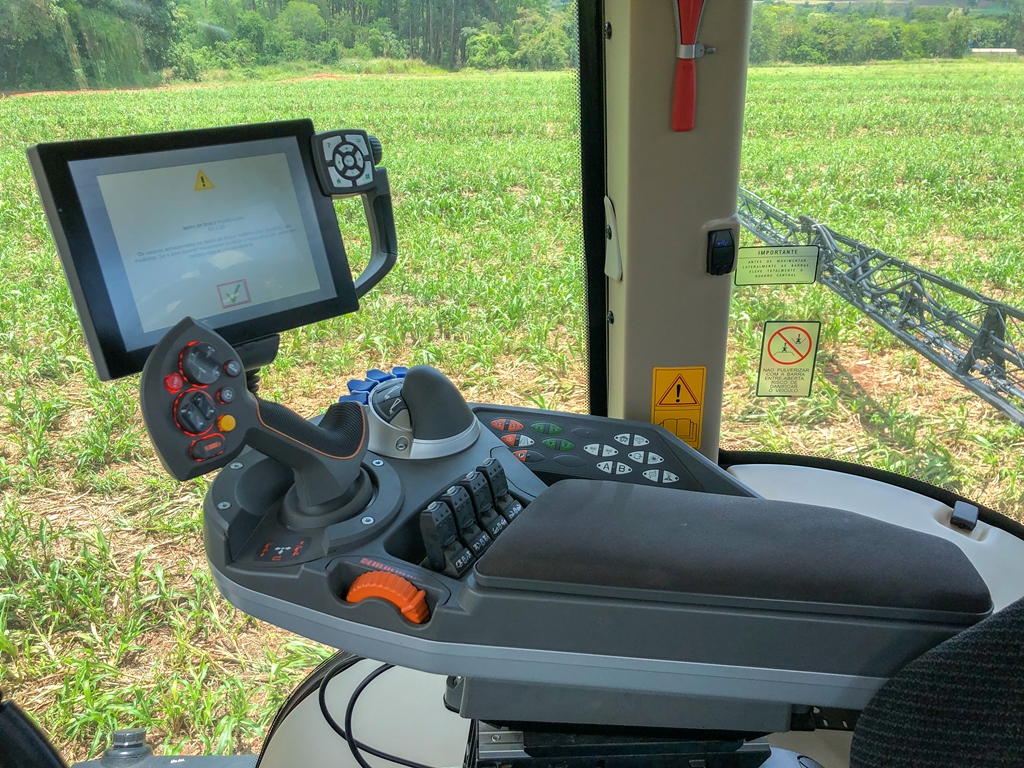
(105, 43)
(844, 33)
(110, 43)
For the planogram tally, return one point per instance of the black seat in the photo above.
(959, 704)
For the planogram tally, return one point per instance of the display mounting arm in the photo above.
(347, 165)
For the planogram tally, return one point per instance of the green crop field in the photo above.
(107, 613)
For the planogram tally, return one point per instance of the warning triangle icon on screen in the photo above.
(203, 182)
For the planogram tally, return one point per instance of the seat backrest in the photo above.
(959, 704)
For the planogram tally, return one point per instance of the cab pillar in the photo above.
(669, 190)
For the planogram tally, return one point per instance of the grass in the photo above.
(924, 161)
(106, 608)
(107, 612)
(313, 70)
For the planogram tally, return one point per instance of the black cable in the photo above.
(354, 745)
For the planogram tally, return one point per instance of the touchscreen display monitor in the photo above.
(227, 226)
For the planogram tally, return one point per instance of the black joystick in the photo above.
(422, 416)
(200, 415)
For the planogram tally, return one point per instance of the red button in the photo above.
(174, 382)
(509, 439)
(207, 448)
(507, 425)
(521, 455)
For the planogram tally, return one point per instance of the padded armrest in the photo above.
(609, 539)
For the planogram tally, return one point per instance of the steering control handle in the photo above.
(200, 415)
(326, 458)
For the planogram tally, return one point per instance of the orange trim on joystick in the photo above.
(401, 593)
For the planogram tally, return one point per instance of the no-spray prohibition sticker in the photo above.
(788, 351)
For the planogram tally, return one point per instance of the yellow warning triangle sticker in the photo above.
(203, 182)
(678, 393)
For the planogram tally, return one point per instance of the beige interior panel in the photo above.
(669, 189)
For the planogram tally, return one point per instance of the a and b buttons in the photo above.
(614, 467)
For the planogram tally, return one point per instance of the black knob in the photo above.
(200, 364)
(128, 746)
(128, 738)
(376, 149)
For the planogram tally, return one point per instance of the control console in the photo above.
(507, 543)
(593, 567)
(587, 553)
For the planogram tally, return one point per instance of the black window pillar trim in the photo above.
(592, 159)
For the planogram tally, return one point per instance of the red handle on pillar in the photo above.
(684, 103)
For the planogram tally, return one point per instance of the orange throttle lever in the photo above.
(401, 593)
(684, 102)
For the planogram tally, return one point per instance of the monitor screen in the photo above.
(227, 226)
